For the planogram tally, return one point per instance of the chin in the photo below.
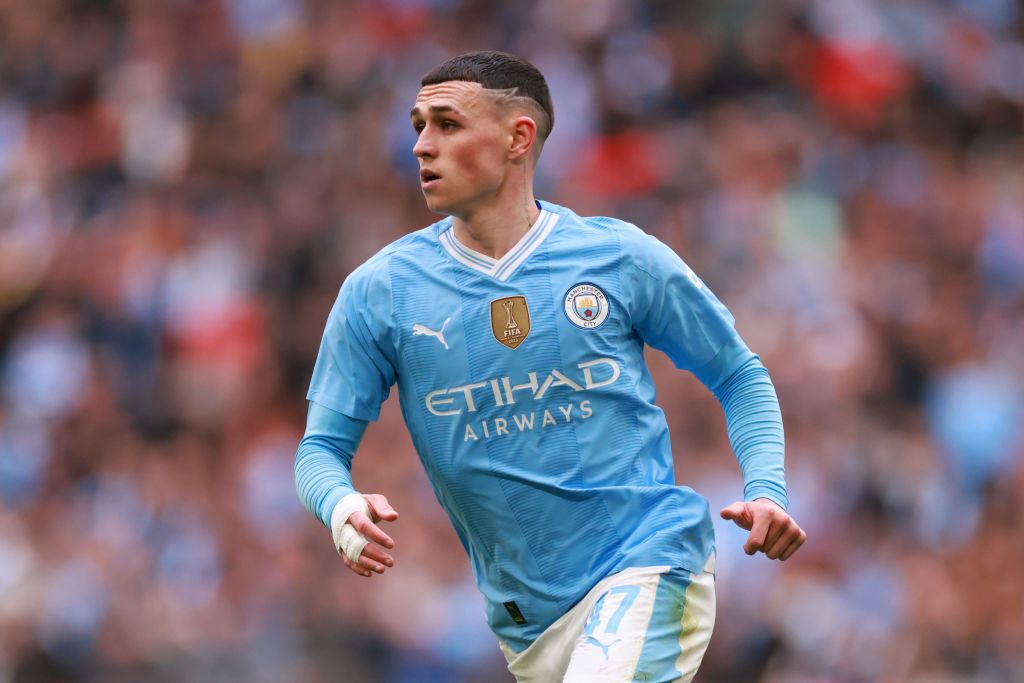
(436, 205)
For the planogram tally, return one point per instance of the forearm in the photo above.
(753, 420)
(323, 461)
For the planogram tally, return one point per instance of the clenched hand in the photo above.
(772, 531)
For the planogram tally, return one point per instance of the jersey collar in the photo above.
(503, 268)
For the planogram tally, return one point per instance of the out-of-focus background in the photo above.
(184, 184)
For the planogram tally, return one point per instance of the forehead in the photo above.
(462, 96)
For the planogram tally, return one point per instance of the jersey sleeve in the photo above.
(355, 367)
(323, 460)
(673, 310)
(753, 420)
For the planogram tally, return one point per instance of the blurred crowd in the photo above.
(184, 184)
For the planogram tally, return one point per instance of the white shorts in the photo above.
(649, 624)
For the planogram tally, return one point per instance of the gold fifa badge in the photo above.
(510, 320)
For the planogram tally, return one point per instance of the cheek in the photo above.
(481, 158)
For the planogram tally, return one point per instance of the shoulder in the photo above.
(596, 226)
(413, 249)
(628, 234)
(640, 251)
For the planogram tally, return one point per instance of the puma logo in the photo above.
(604, 648)
(418, 329)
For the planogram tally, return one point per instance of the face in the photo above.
(463, 146)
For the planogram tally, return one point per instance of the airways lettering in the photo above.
(500, 426)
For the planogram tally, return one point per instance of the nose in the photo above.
(424, 147)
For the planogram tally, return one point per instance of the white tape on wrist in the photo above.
(347, 539)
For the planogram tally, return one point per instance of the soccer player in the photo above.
(515, 331)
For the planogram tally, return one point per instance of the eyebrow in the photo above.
(434, 109)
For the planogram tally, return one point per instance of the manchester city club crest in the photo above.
(586, 305)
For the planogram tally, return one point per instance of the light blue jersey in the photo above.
(523, 384)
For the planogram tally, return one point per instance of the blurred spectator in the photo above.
(184, 186)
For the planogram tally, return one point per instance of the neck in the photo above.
(494, 229)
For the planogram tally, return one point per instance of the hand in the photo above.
(772, 531)
(373, 558)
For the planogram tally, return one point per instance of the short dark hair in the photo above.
(499, 71)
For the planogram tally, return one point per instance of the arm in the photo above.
(741, 383)
(323, 480)
(354, 372)
(323, 461)
(675, 312)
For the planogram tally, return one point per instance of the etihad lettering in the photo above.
(556, 379)
(588, 377)
(597, 373)
(436, 399)
(510, 390)
(467, 390)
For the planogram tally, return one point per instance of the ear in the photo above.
(523, 138)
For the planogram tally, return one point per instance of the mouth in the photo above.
(428, 178)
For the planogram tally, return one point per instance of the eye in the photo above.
(448, 125)
(418, 126)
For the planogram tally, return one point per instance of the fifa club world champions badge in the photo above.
(586, 306)
(510, 320)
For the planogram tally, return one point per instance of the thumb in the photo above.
(381, 508)
(737, 512)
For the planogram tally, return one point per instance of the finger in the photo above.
(779, 537)
(794, 546)
(377, 555)
(365, 567)
(758, 532)
(370, 530)
(737, 512)
(380, 508)
(783, 544)
(362, 571)
(374, 566)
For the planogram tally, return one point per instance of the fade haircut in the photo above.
(512, 81)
